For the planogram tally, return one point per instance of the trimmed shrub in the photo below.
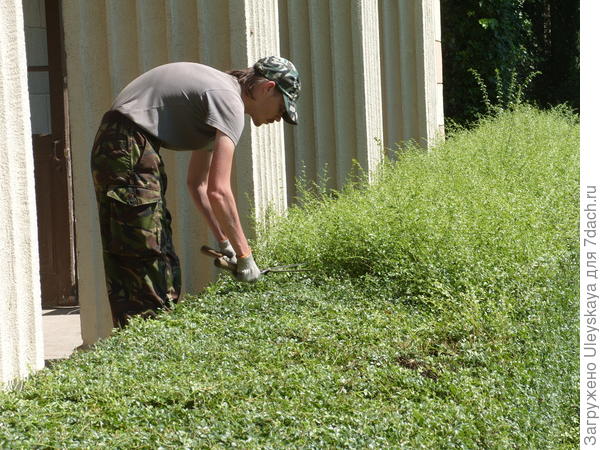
(441, 312)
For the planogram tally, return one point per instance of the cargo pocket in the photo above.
(135, 221)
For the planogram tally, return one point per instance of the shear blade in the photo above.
(286, 268)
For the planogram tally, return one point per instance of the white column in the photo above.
(411, 71)
(322, 79)
(367, 82)
(215, 37)
(123, 54)
(335, 44)
(260, 158)
(90, 95)
(439, 96)
(21, 339)
(300, 145)
(427, 75)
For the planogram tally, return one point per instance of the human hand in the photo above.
(247, 270)
(226, 248)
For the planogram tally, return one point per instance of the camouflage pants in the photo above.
(141, 267)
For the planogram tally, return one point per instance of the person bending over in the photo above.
(177, 106)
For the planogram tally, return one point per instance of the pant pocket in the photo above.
(135, 221)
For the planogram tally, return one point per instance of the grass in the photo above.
(441, 313)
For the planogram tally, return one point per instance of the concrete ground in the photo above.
(62, 332)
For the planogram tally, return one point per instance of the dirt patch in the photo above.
(419, 366)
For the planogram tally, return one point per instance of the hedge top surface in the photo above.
(442, 313)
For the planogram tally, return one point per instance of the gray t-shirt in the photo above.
(183, 103)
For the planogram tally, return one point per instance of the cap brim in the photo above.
(291, 111)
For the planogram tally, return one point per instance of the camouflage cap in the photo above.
(285, 75)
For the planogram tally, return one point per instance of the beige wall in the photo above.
(347, 51)
(335, 45)
(411, 71)
(21, 343)
(370, 69)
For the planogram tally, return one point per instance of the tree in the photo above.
(503, 38)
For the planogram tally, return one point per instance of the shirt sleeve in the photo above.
(225, 112)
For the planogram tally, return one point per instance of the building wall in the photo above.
(411, 71)
(347, 52)
(371, 73)
(371, 77)
(21, 342)
(335, 45)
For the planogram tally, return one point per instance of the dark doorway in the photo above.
(52, 158)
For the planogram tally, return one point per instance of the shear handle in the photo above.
(220, 260)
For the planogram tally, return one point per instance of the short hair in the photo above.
(248, 79)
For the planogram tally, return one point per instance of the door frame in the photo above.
(60, 136)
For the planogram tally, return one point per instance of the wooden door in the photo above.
(52, 161)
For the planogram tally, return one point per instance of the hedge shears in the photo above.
(222, 262)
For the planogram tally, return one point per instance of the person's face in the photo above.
(269, 104)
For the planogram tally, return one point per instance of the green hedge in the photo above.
(442, 312)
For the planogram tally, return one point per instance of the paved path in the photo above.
(62, 332)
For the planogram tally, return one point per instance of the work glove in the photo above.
(226, 248)
(247, 270)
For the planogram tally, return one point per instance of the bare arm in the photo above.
(197, 182)
(211, 175)
(220, 194)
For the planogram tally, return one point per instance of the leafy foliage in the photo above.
(506, 41)
(441, 312)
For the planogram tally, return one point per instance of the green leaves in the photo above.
(512, 36)
(441, 313)
(488, 23)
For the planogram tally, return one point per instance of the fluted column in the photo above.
(412, 71)
(260, 157)
(367, 82)
(90, 82)
(335, 45)
(21, 338)
(183, 42)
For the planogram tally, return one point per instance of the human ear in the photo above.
(269, 86)
(263, 89)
